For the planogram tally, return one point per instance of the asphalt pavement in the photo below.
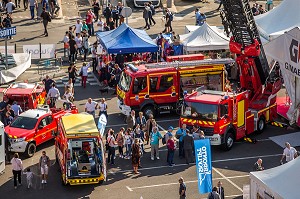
(157, 180)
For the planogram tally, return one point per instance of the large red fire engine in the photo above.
(224, 117)
(159, 87)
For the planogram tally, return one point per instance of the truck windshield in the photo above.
(24, 123)
(124, 82)
(200, 110)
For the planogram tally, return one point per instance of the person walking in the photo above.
(115, 15)
(149, 125)
(290, 153)
(180, 133)
(111, 147)
(90, 107)
(155, 137)
(169, 18)
(221, 190)
(84, 73)
(85, 44)
(120, 140)
(130, 120)
(73, 49)
(103, 107)
(136, 156)
(107, 13)
(258, 165)
(78, 40)
(69, 98)
(17, 167)
(32, 6)
(214, 194)
(44, 165)
(146, 16)
(171, 150)
(7, 21)
(182, 189)
(29, 177)
(53, 95)
(94, 57)
(72, 71)
(96, 8)
(89, 22)
(152, 13)
(197, 16)
(188, 146)
(128, 143)
(46, 19)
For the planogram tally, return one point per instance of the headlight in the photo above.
(17, 140)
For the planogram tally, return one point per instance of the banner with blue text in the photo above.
(203, 165)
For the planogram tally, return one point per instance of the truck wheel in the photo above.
(261, 125)
(148, 110)
(30, 149)
(228, 142)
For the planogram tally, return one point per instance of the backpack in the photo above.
(171, 16)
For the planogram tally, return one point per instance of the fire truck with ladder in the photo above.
(228, 116)
(158, 87)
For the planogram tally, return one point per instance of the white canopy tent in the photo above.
(279, 20)
(285, 50)
(204, 38)
(281, 182)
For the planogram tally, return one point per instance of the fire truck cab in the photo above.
(224, 117)
(27, 95)
(159, 88)
(79, 150)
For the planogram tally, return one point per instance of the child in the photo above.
(29, 177)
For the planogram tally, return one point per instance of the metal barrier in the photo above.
(49, 65)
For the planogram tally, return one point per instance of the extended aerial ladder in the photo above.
(245, 42)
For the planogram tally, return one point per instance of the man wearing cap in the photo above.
(180, 133)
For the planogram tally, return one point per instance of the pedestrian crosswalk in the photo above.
(91, 80)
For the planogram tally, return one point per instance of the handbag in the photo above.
(80, 73)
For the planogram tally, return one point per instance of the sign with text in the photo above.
(203, 165)
(47, 51)
(10, 49)
(7, 32)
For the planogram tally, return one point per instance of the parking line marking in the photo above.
(214, 161)
(176, 183)
(226, 178)
(129, 188)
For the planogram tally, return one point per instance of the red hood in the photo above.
(17, 132)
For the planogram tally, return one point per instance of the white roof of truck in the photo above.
(34, 113)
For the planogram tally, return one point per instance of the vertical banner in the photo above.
(203, 165)
(102, 124)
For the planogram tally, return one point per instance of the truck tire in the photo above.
(149, 109)
(228, 142)
(30, 149)
(261, 125)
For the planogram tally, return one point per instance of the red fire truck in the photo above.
(226, 117)
(159, 87)
(27, 95)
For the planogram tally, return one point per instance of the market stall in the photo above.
(203, 39)
(279, 20)
(277, 183)
(125, 39)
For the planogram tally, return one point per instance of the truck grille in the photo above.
(208, 131)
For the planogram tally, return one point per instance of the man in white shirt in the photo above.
(84, 73)
(16, 108)
(90, 107)
(53, 95)
(9, 7)
(290, 153)
(78, 40)
(78, 27)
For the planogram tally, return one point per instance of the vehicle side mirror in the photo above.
(225, 116)
(40, 127)
(54, 133)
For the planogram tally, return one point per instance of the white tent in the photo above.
(281, 182)
(279, 20)
(285, 50)
(204, 38)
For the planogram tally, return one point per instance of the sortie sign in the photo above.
(6, 32)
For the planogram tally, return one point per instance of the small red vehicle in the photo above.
(34, 127)
(27, 95)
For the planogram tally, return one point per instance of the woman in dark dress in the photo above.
(136, 155)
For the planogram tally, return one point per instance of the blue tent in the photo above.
(125, 39)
